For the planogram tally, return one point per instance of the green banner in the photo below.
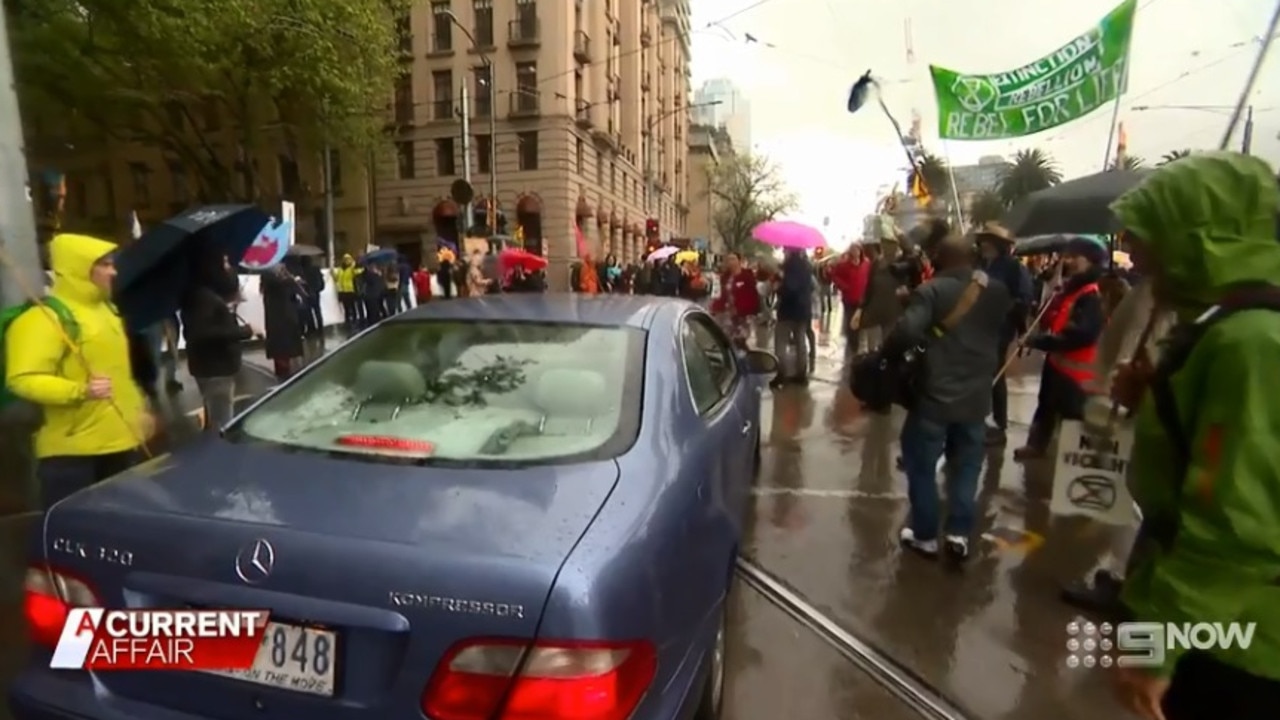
(1064, 85)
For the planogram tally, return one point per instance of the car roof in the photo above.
(638, 311)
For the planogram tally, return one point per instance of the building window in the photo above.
(442, 29)
(483, 91)
(483, 28)
(179, 187)
(579, 155)
(599, 168)
(335, 173)
(613, 177)
(290, 178)
(484, 153)
(527, 18)
(528, 142)
(445, 166)
(209, 114)
(442, 92)
(527, 86)
(139, 173)
(404, 160)
(527, 77)
(404, 35)
(404, 98)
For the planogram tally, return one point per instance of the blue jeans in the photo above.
(923, 442)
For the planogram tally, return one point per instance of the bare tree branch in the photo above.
(746, 190)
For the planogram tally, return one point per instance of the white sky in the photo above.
(1185, 52)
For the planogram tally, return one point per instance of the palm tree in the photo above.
(1031, 170)
(1127, 162)
(985, 207)
(1174, 155)
(935, 174)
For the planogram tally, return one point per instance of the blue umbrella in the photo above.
(154, 271)
(384, 255)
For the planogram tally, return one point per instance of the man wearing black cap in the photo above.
(996, 245)
(1068, 336)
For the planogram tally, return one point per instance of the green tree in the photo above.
(1031, 170)
(1173, 155)
(747, 190)
(272, 73)
(985, 207)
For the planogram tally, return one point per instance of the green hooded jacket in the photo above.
(1209, 221)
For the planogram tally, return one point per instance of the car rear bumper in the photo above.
(71, 695)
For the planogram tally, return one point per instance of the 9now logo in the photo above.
(1145, 644)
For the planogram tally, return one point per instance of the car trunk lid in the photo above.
(367, 568)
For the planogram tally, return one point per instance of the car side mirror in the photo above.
(759, 362)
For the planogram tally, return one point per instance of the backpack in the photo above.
(881, 379)
(7, 315)
(1176, 352)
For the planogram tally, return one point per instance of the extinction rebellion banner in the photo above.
(1064, 85)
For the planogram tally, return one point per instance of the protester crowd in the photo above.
(1181, 351)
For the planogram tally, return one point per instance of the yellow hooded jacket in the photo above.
(41, 369)
(344, 276)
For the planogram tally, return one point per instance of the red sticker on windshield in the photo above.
(387, 442)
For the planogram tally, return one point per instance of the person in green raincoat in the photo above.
(1204, 229)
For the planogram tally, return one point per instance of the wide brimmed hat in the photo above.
(994, 232)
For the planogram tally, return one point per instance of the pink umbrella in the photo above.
(790, 235)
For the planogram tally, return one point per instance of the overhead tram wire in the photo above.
(642, 48)
(1191, 72)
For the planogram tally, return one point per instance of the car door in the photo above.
(720, 392)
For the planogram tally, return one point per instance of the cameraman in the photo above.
(958, 316)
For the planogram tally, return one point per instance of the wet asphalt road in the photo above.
(989, 639)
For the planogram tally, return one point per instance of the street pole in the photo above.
(20, 273)
(466, 135)
(493, 145)
(20, 269)
(328, 205)
(1252, 79)
(1246, 139)
(493, 121)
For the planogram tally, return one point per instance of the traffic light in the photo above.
(651, 229)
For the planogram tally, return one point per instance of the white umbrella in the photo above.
(662, 253)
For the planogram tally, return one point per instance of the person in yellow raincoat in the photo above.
(96, 418)
(345, 277)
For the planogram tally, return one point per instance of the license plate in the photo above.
(291, 657)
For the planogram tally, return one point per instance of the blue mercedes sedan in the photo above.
(523, 507)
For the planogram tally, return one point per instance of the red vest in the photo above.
(1075, 364)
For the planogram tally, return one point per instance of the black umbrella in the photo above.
(1079, 206)
(154, 271)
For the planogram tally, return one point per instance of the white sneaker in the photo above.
(957, 547)
(907, 537)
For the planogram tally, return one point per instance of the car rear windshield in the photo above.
(493, 393)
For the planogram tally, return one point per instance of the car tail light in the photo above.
(49, 596)
(560, 680)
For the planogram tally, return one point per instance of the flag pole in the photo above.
(1115, 116)
(1252, 80)
(951, 180)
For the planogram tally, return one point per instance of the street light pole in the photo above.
(493, 121)
(650, 179)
